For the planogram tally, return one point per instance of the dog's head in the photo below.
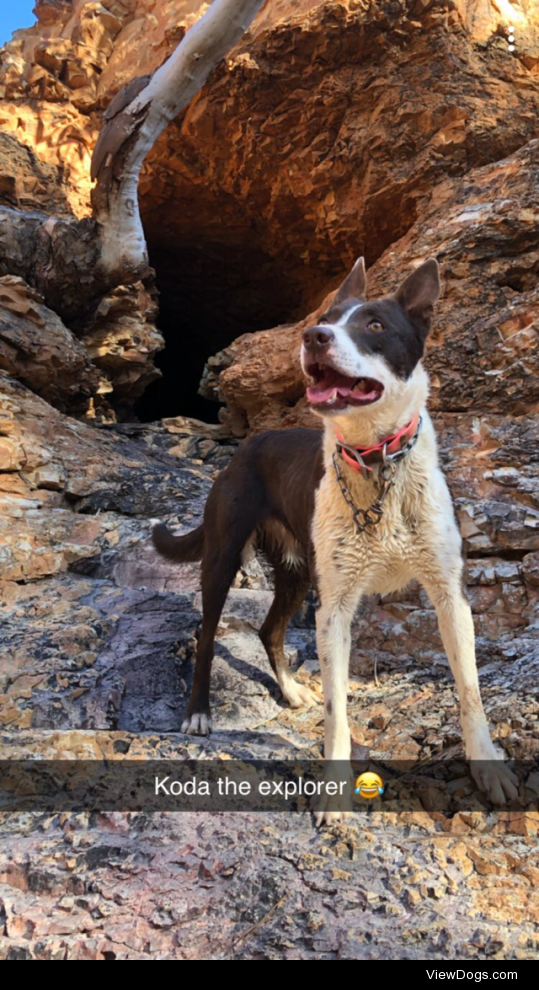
(364, 357)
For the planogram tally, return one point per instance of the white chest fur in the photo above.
(417, 512)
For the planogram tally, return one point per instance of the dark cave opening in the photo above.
(210, 294)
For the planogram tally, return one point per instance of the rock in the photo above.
(26, 182)
(530, 569)
(48, 145)
(53, 464)
(123, 341)
(40, 351)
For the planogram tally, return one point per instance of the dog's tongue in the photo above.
(332, 381)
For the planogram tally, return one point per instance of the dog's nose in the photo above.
(318, 338)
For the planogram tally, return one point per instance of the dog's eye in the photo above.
(375, 325)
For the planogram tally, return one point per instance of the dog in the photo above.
(359, 508)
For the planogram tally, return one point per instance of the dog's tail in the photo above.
(180, 549)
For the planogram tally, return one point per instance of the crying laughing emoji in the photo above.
(369, 786)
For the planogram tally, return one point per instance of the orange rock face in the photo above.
(327, 132)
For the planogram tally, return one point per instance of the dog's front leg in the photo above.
(455, 620)
(333, 622)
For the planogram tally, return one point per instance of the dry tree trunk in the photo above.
(140, 113)
(74, 263)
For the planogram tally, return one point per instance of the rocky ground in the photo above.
(97, 660)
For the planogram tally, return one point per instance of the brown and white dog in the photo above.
(361, 508)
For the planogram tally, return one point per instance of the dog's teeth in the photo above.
(333, 397)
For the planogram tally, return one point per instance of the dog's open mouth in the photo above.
(329, 389)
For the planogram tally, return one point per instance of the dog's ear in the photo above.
(420, 291)
(354, 285)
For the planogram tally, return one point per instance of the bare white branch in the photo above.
(140, 113)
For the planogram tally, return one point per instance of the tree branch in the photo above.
(74, 263)
(139, 114)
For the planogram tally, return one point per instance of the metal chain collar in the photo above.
(364, 518)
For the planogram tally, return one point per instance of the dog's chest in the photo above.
(381, 558)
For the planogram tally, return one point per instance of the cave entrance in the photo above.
(210, 294)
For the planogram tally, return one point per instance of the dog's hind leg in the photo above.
(218, 573)
(291, 587)
(227, 528)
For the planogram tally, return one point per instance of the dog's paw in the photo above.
(333, 804)
(496, 781)
(198, 724)
(322, 818)
(299, 695)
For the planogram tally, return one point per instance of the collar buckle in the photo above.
(353, 453)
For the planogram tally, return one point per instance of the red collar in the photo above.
(365, 457)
